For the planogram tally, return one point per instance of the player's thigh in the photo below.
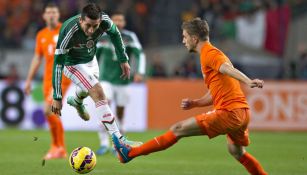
(81, 75)
(108, 90)
(240, 136)
(94, 67)
(186, 128)
(217, 122)
(121, 95)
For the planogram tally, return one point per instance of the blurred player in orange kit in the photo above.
(46, 41)
(231, 113)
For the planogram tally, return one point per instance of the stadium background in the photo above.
(264, 38)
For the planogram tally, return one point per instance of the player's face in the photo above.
(51, 16)
(189, 41)
(119, 21)
(89, 26)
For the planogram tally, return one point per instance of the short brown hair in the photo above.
(51, 5)
(197, 27)
(91, 11)
(117, 12)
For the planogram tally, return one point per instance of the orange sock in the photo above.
(60, 133)
(157, 144)
(252, 165)
(52, 121)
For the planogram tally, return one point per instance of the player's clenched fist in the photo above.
(256, 83)
(187, 104)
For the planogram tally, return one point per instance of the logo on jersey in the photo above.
(90, 44)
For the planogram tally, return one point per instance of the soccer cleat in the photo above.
(56, 153)
(51, 154)
(102, 150)
(62, 152)
(122, 149)
(79, 107)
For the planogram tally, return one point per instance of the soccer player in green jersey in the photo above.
(75, 52)
(115, 88)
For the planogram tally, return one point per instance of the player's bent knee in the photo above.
(236, 151)
(96, 92)
(47, 109)
(82, 94)
(178, 130)
(47, 112)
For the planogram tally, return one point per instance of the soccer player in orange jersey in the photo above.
(231, 113)
(46, 40)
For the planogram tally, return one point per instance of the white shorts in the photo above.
(116, 93)
(85, 75)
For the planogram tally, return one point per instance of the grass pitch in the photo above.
(279, 153)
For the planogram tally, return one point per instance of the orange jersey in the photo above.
(225, 90)
(46, 41)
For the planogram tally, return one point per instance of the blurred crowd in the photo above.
(157, 22)
(21, 19)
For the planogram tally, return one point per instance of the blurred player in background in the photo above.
(46, 40)
(114, 87)
(75, 53)
(231, 113)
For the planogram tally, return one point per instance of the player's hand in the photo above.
(28, 88)
(187, 104)
(138, 78)
(256, 83)
(56, 107)
(125, 71)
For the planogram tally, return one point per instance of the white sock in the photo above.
(107, 118)
(104, 138)
(80, 95)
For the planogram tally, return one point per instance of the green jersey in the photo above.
(109, 62)
(74, 47)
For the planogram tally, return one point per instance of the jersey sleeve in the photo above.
(59, 59)
(215, 59)
(110, 28)
(138, 52)
(38, 45)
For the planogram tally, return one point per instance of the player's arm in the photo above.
(228, 69)
(205, 100)
(118, 43)
(140, 59)
(58, 66)
(57, 83)
(36, 62)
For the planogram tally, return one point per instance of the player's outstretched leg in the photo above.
(185, 128)
(77, 102)
(127, 153)
(107, 117)
(248, 161)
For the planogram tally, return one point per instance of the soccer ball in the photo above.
(82, 160)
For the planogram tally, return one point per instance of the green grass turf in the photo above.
(279, 153)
